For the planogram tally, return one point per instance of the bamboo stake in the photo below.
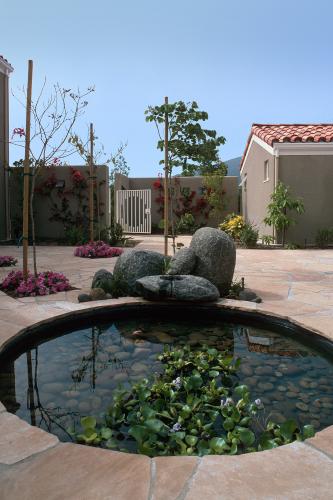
(166, 178)
(91, 184)
(26, 173)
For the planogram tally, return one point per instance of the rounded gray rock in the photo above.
(216, 257)
(103, 279)
(179, 287)
(84, 297)
(183, 262)
(136, 264)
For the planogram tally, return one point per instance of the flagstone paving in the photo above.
(294, 284)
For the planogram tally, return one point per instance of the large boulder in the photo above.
(103, 279)
(183, 262)
(184, 288)
(216, 257)
(136, 264)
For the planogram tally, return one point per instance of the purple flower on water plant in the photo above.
(177, 382)
(176, 427)
(227, 402)
(258, 403)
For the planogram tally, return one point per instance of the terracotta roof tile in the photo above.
(280, 133)
(5, 61)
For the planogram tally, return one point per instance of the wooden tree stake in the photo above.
(26, 174)
(91, 184)
(166, 178)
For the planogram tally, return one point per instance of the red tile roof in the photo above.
(5, 61)
(272, 133)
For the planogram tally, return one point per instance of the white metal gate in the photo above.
(133, 207)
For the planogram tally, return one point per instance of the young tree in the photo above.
(215, 193)
(53, 121)
(278, 210)
(191, 147)
(116, 161)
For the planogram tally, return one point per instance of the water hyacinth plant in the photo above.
(7, 261)
(194, 407)
(45, 283)
(97, 249)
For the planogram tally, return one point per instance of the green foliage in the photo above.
(75, 235)
(324, 237)
(267, 239)
(233, 225)
(248, 236)
(191, 147)
(186, 224)
(292, 246)
(278, 210)
(235, 288)
(214, 192)
(195, 407)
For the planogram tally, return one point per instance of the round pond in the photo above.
(61, 373)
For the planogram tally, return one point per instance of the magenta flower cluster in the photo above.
(7, 261)
(44, 284)
(97, 249)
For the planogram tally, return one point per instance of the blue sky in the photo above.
(242, 61)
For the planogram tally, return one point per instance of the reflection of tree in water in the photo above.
(40, 415)
(97, 360)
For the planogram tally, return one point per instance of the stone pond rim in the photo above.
(87, 315)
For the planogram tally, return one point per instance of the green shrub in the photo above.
(248, 236)
(75, 235)
(324, 237)
(186, 224)
(267, 239)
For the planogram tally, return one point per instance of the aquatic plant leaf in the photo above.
(308, 431)
(88, 422)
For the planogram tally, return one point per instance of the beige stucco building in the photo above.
(300, 156)
(5, 70)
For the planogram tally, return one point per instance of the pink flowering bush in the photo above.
(7, 261)
(45, 284)
(97, 249)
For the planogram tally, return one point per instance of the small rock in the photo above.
(123, 355)
(302, 406)
(84, 297)
(97, 294)
(84, 407)
(138, 367)
(71, 394)
(103, 279)
(247, 294)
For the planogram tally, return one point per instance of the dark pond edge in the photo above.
(85, 318)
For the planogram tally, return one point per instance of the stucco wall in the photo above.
(256, 193)
(45, 228)
(3, 153)
(311, 178)
(230, 185)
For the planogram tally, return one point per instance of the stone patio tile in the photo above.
(323, 441)
(291, 472)
(2, 408)
(171, 475)
(19, 440)
(74, 472)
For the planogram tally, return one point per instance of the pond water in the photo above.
(55, 383)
